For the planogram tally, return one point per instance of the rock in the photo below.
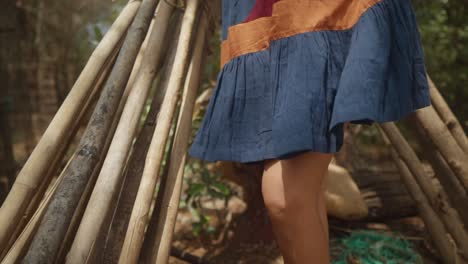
(343, 197)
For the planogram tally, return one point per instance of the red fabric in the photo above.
(262, 8)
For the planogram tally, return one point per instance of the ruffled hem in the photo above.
(297, 94)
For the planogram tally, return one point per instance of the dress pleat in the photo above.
(292, 89)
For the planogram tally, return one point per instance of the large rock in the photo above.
(343, 198)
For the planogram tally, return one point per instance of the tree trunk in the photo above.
(385, 194)
(8, 163)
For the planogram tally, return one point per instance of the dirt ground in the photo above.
(203, 250)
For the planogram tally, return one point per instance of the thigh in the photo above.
(302, 174)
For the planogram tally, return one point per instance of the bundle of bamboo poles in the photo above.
(444, 209)
(109, 181)
(100, 209)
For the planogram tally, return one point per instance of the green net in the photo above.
(374, 247)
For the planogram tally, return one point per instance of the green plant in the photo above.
(203, 184)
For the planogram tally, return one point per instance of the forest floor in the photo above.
(210, 248)
(200, 248)
(220, 247)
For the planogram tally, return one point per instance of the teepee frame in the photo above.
(109, 183)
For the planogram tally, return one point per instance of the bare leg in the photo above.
(293, 191)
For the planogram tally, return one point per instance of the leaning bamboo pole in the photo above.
(150, 232)
(133, 172)
(21, 244)
(24, 238)
(433, 223)
(457, 194)
(60, 128)
(138, 219)
(136, 67)
(56, 220)
(39, 193)
(178, 155)
(110, 177)
(17, 250)
(447, 116)
(69, 237)
(445, 143)
(437, 200)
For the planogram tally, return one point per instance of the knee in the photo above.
(276, 206)
(282, 205)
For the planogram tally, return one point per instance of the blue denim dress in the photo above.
(294, 71)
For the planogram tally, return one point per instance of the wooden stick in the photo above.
(59, 213)
(445, 143)
(150, 234)
(447, 116)
(433, 223)
(173, 187)
(17, 251)
(87, 109)
(60, 128)
(457, 194)
(25, 235)
(24, 238)
(110, 176)
(69, 237)
(435, 197)
(139, 220)
(116, 234)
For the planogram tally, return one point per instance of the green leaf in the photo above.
(215, 193)
(97, 32)
(206, 176)
(223, 188)
(196, 189)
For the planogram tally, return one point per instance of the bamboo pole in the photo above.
(447, 116)
(39, 193)
(150, 232)
(445, 143)
(25, 234)
(69, 237)
(173, 187)
(116, 233)
(139, 219)
(457, 194)
(60, 128)
(110, 177)
(436, 199)
(17, 250)
(58, 215)
(433, 223)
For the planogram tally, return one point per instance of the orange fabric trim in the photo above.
(290, 17)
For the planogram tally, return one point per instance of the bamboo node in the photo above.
(450, 123)
(177, 5)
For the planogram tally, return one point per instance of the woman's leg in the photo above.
(293, 190)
